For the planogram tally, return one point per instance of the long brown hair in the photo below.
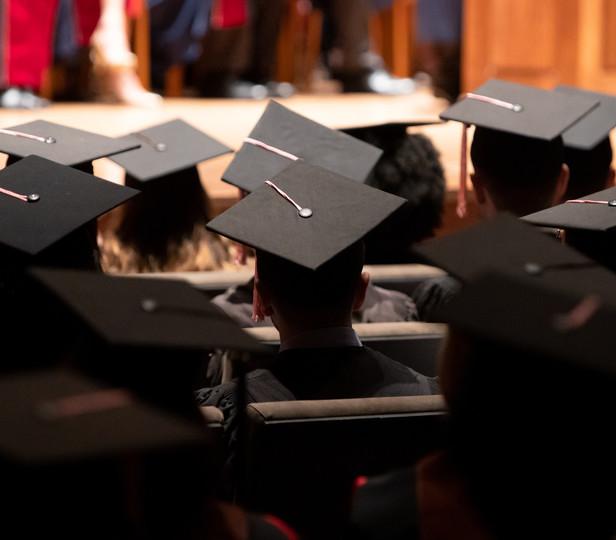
(163, 229)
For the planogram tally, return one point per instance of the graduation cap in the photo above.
(507, 245)
(594, 127)
(560, 324)
(143, 312)
(516, 109)
(595, 213)
(57, 416)
(41, 202)
(165, 149)
(306, 215)
(387, 130)
(282, 137)
(62, 144)
(589, 222)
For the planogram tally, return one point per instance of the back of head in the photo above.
(590, 170)
(410, 167)
(164, 228)
(295, 289)
(520, 173)
(531, 436)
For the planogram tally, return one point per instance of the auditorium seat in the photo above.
(399, 277)
(414, 344)
(303, 457)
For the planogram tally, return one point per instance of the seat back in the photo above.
(304, 456)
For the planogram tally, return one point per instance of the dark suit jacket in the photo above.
(305, 374)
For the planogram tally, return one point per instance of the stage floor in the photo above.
(231, 120)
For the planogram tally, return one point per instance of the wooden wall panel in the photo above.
(527, 41)
(609, 34)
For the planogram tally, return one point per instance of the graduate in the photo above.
(588, 149)
(307, 225)
(517, 154)
(530, 391)
(164, 230)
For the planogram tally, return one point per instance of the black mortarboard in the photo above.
(589, 226)
(507, 245)
(516, 109)
(563, 325)
(598, 215)
(62, 144)
(281, 131)
(388, 129)
(593, 128)
(339, 212)
(167, 148)
(41, 202)
(520, 109)
(151, 313)
(56, 416)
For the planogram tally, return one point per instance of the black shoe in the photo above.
(222, 86)
(377, 81)
(277, 89)
(21, 98)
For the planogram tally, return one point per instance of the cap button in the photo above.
(612, 202)
(161, 147)
(305, 213)
(33, 197)
(533, 269)
(518, 108)
(149, 305)
(50, 140)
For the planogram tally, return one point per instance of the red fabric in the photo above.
(134, 8)
(281, 526)
(87, 13)
(27, 48)
(229, 13)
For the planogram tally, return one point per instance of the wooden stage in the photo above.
(231, 120)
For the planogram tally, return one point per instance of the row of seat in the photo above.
(303, 457)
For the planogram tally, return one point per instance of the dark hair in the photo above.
(163, 229)
(520, 173)
(589, 169)
(410, 167)
(333, 285)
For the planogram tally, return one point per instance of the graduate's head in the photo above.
(307, 225)
(410, 167)
(517, 150)
(590, 170)
(517, 174)
(529, 409)
(292, 293)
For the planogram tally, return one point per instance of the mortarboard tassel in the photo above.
(258, 312)
(241, 248)
(462, 191)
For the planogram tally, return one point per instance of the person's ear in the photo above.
(261, 299)
(360, 293)
(479, 189)
(611, 178)
(562, 184)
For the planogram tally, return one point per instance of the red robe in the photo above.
(27, 36)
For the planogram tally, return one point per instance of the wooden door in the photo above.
(528, 41)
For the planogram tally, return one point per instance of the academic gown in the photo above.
(319, 373)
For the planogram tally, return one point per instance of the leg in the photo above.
(113, 62)
(351, 59)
